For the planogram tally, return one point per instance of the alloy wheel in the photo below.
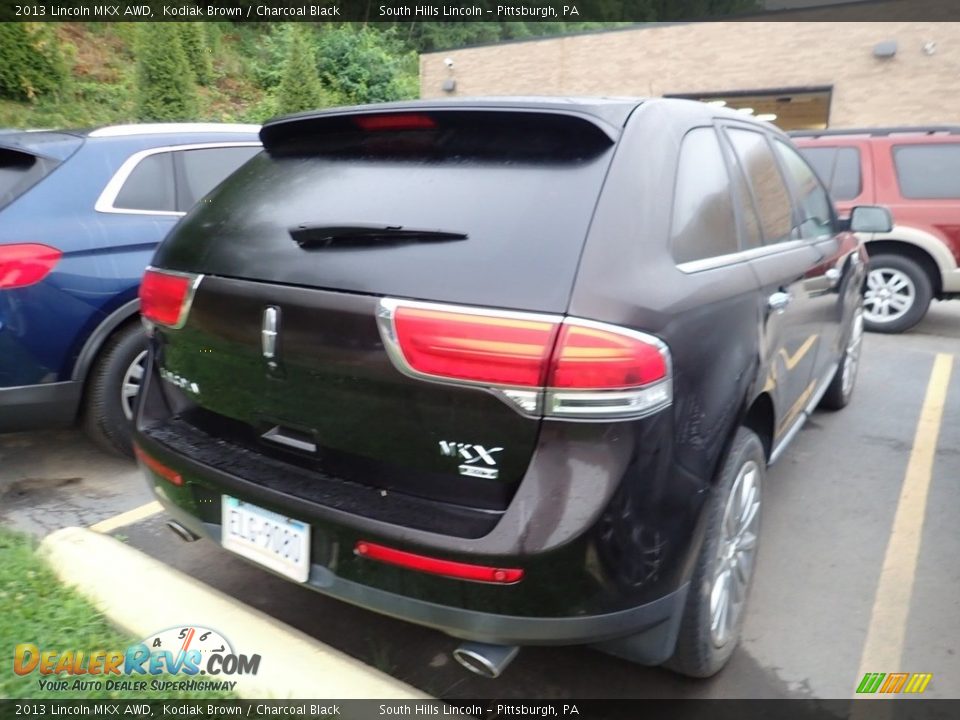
(735, 554)
(889, 296)
(131, 383)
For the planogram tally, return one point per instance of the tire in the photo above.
(701, 650)
(844, 381)
(106, 404)
(895, 280)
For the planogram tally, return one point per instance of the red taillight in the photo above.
(164, 296)
(434, 566)
(589, 357)
(26, 264)
(154, 465)
(563, 367)
(398, 121)
(476, 348)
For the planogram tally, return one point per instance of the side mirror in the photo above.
(871, 219)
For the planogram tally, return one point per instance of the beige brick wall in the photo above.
(911, 88)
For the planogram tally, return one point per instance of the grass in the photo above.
(38, 609)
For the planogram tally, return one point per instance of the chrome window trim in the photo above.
(105, 203)
(719, 261)
(157, 128)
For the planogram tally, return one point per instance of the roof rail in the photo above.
(156, 128)
(881, 131)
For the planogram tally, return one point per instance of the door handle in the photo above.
(778, 301)
(833, 276)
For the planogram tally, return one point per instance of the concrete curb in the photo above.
(143, 596)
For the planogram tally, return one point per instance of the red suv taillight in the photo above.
(26, 264)
(563, 367)
(165, 296)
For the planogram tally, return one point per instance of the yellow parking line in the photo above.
(883, 649)
(127, 518)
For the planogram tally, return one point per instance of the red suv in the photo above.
(915, 171)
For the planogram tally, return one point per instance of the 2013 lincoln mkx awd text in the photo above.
(509, 368)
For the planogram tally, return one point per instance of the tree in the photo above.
(365, 65)
(166, 90)
(31, 63)
(197, 49)
(300, 87)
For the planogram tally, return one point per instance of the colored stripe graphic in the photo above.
(870, 682)
(894, 683)
(918, 682)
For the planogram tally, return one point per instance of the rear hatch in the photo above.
(281, 349)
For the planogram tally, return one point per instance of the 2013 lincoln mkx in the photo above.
(509, 368)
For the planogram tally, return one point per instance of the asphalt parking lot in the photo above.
(857, 570)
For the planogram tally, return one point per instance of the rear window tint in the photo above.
(150, 186)
(839, 168)
(769, 191)
(525, 213)
(928, 172)
(20, 171)
(704, 224)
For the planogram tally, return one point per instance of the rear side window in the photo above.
(704, 224)
(769, 191)
(928, 172)
(839, 168)
(150, 186)
(204, 169)
(20, 171)
(816, 215)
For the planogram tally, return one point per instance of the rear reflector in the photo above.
(538, 363)
(398, 121)
(25, 264)
(155, 466)
(165, 296)
(446, 568)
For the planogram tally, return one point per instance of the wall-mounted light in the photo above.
(745, 111)
(718, 103)
(767, 117)
(885, 50)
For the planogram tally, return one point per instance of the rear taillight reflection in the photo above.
(165, 296)
(539, 363)
(25, 264)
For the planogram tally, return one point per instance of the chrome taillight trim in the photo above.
(187, 302)
(582, 404)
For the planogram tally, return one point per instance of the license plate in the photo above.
(277, 542)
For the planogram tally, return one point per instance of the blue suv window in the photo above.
(150, 186)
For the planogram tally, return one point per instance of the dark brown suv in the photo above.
(509, 368)
(915, 171)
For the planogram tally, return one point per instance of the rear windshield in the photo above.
(19, 171)
(521, 188)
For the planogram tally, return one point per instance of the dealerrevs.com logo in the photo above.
(181, 655)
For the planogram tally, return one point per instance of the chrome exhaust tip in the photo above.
(488, 661)
(181, 532)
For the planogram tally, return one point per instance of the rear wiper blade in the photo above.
(320, 236)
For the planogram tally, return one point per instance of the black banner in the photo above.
(466, 10)
(879, 708)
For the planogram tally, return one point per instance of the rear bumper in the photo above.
(651, 627)
(34, 407)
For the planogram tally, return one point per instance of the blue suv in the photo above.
(80, 216)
